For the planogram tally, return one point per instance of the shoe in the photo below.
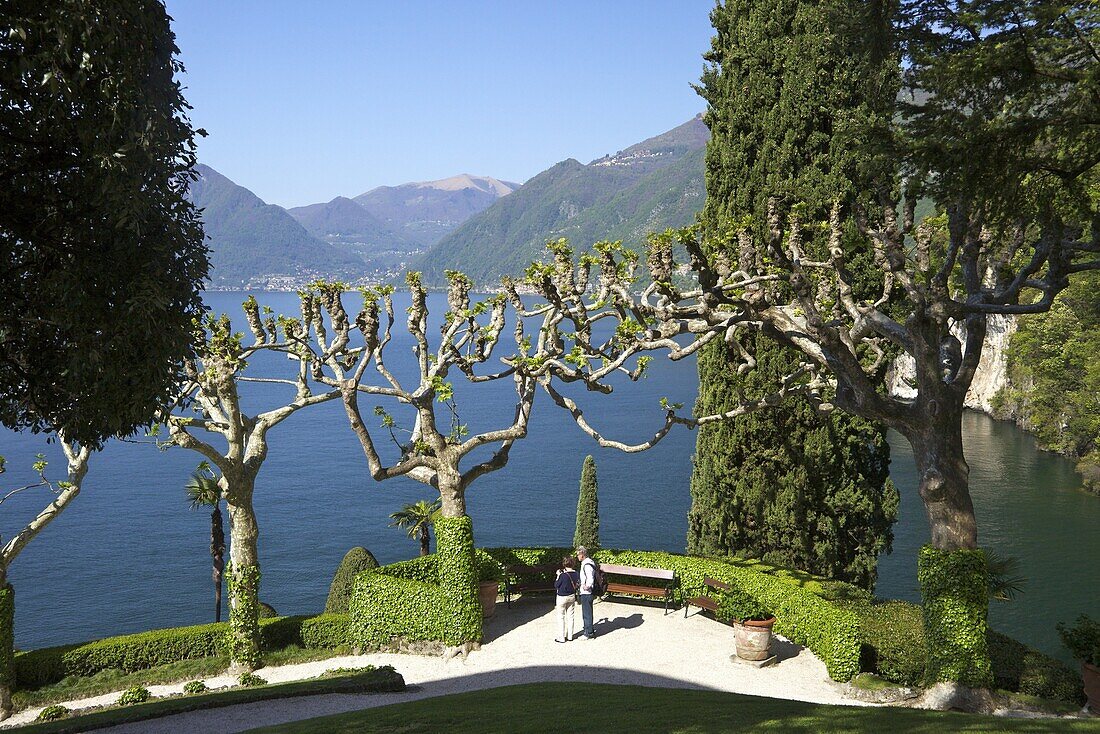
(590, 637)
(557, 640)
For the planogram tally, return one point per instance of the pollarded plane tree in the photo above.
(210, 406)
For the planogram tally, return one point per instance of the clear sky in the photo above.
(307, 100)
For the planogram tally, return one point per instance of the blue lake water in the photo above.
(128, 554)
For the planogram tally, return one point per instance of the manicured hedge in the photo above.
(894, 648)
(431, 598)
(803, 616)
(355, 561)
(130, 653)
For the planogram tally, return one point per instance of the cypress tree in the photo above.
(791, 86)
(588, 509)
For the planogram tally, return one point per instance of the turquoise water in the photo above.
(129, 555)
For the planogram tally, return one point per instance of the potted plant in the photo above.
(489, 574)
(1083, 641)
(752, 623)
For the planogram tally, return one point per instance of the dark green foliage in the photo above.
(588, 509)
(1054, 376)
(192, 687)
(955, 599)
(1082, 639)
(130, 653)
(7, 637)
(355, 561)
(791, 88)
(137, 694)
(266, 611)
(737, 606)
(431, 598)
(894, 648)
(52, 713)
(103, 255)
(251, 680)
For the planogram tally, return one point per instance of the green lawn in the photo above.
(553, 708)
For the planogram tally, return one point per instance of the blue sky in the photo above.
(305, 101)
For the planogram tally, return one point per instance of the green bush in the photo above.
(955, 600)
(195, 686)
(130, 653)
(53, 713)
(136, 694)
(408, 600)
(1082, 639)
(266, 611)
(355, 561)
(251, 680)
(894, 648)
(737, 605)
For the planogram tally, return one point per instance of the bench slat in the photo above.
(650, 573)
(639, 590)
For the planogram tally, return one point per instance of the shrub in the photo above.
(1017, 667)
(195, 686)
(1082, 639)
(355, 561)
(737, 606)
(266, 611)
(136, 694)
(955, 600)
(53, 713)
(251, 680)
(407, 600)
(130, 653)
(588, 509)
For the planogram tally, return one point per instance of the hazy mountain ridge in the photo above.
(256, 244)
(648, 186)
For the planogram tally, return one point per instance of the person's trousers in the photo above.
(586, 615)
(564, 607)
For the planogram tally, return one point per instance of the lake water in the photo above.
(128, 554)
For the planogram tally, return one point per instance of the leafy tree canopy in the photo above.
(101, 253)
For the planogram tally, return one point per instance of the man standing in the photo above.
(588, 583)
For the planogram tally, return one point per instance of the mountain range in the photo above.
(481, 225)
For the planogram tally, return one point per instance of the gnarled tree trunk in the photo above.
(243, 577)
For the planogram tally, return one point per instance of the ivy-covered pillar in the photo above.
(955, 594)
(454, 543)
(242, 576)
(7, 648)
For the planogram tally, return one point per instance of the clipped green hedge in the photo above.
(355, 561)
(955, 593)
(895, 649)
(143, 650)
(802, 615)
(430, 598)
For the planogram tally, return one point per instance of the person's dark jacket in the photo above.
(568, 582)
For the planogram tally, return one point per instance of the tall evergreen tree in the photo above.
(588, 509)
(789, 86)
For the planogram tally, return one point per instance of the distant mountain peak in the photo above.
(488, 184)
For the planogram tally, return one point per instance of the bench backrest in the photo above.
(649, 573)
(716, 584)
(541, 569)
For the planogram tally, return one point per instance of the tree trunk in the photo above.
(425, 540)
(243, 580)
(7, 644)
(953, 573)
(217, 556)
(458, 573)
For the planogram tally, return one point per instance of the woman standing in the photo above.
(566, 586)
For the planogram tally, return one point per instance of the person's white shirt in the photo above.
(588, 575)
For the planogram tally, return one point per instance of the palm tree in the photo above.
(1005, 581)
(203, 491)
(417, 518)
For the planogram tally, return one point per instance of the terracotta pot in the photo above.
(753, 639)
(1091, 675)
(487, 592)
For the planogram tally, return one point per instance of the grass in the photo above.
(77, 687)
(531, 709)
(377, 680)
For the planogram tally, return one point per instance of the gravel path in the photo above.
(637, 645)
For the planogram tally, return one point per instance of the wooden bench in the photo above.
(657, 592)
(520, 578)
(704, 600)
